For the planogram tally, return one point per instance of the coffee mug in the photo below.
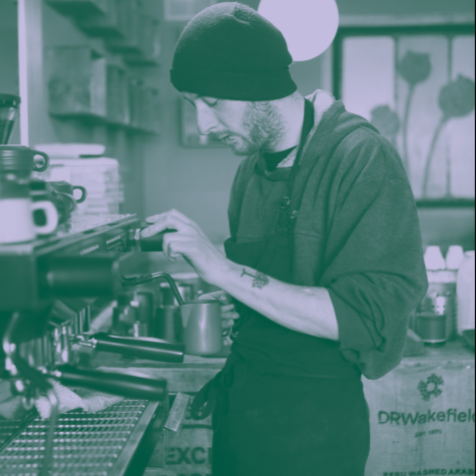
(62, 195)
(22, 160)
(62, 186)
(201, 327)
(16, 219)
(64, 203)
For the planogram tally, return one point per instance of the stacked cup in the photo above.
(17, 223)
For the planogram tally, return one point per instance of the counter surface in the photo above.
(456, 350)
(452, 350)
(195, 372)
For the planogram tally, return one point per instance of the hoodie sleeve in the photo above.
(376, 275)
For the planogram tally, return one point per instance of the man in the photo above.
(324, 262)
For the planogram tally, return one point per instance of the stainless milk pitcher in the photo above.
(202, 329)
(201, 319)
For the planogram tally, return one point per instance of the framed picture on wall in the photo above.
(184, 10)
(416, 86)
(189, 134)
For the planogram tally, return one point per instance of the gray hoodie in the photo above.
(356, 233)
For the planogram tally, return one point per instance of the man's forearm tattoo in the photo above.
(260, 280)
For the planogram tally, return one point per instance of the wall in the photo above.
(405, 7)
(197, 181)
(447, 226)
(402, 7)
(194, 181)
(47, 28)
(158, 172)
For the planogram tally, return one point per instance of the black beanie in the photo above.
(229, 51)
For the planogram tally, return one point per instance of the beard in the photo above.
(264, 125)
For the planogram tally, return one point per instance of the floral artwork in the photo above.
(456, 100)
(414, 68)
(387, 122)
(419, 92)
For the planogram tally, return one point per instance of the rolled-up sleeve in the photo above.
(376, 276)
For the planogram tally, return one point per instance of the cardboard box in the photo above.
(422, 420)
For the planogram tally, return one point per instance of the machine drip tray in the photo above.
(96, 444)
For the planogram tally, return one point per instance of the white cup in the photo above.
(16, 219)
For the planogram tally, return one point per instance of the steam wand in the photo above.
(147, 278)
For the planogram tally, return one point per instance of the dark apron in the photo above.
(271, 422)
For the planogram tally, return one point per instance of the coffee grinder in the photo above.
(9, 110)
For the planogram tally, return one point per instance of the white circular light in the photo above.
(309, 26)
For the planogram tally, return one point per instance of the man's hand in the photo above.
(190, 242)
(228, 311)
(299, 308)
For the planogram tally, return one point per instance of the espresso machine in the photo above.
(43, 334)
(49, 290)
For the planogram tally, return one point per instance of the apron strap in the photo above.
(215, 391)
(287, 216)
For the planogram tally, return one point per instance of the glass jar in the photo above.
(465, 292)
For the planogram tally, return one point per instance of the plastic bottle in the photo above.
(465, 292)
(434, 259)
(454, 257)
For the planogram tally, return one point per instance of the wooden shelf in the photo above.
(446, 203)
(93, 119)
(139, 60)
(83, 86)
(76, 79)
(79, 7)
(101, 28)
(122, 24)
(142, 43)
(114, 23)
